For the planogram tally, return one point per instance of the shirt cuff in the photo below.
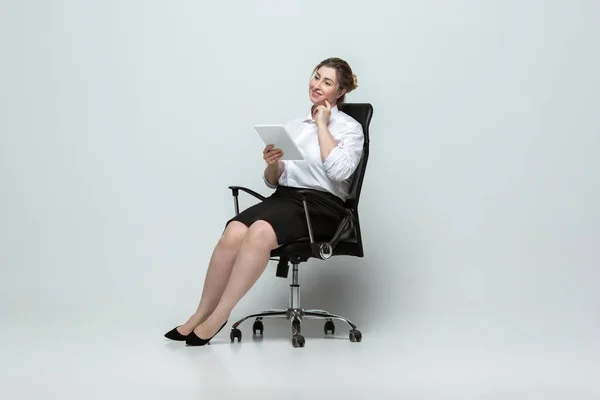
(269, 184)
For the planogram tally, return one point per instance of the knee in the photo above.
(234, 234)
(261, 233)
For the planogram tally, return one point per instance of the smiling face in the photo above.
(324, 86)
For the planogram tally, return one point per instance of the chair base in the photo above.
(295, 315)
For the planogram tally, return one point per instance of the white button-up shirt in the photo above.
(331, 175)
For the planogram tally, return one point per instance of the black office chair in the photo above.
(346, 241)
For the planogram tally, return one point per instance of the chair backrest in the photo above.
(362, 113)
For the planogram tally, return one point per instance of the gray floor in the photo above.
(97, 360)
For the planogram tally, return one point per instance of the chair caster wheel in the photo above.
(258, 326)
(355, 335)
(235, 333)
(298, 340)
(329, 326)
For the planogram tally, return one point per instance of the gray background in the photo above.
(123, 122)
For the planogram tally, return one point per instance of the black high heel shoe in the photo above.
(174, 334)
(195, 340)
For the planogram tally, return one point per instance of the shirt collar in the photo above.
(334, 112)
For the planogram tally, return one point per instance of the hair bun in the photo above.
(355, 81)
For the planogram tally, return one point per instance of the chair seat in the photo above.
(302, 249)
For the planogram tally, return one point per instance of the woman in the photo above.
(332, 144)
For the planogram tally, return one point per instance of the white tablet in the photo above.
(278, 136)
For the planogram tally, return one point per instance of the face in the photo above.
(324, 86)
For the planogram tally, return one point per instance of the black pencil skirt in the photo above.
(285, 212)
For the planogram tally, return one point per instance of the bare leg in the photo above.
(249, 264)
(217, 276)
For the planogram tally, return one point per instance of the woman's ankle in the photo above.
(192, 323)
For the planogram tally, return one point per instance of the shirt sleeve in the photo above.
(341, 163)
(269, 185)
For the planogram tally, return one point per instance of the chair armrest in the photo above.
(345, 225)
(235, 190)
(324, 250)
